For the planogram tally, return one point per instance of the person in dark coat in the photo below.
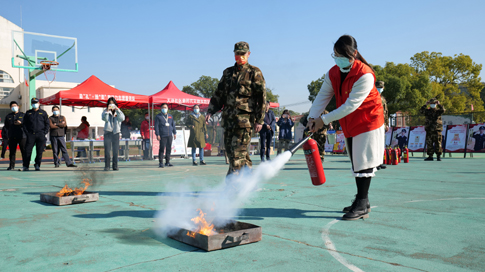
(267, 132)
(36, 125)
(166, 132)
(14, 122)
(58, 127)
(4, 141)
(198, 133)
(285, 123)
(479, 139)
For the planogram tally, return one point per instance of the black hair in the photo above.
(346, 46)
(111, 99)
(84, 118)
(163, 104)
(196, 105)
(54, 107)
(267, 102)
(13, 102)
(286, 112)
(403, 130)
(146, 113)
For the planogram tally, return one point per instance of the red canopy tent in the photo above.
(95, 93)
(176, 99)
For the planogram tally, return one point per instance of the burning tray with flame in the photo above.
(233, 234)
(52, 198)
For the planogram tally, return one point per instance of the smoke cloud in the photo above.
(221, 203)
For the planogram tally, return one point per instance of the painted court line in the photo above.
(332, 250)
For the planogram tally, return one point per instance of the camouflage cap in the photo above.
(241, 47)
(433, 100)
(379, 84)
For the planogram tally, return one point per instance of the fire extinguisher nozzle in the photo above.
(295, 147)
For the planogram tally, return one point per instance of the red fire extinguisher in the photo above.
(406, 154)
(312, 156)
(389, 156)
(399, 154)
(385, 156)
(395, 160)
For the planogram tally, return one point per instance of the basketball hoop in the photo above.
(46, 67)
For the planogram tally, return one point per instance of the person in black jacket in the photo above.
(36, 125)
(267, 132)
(58, 125)
(165, 130)
(14, 122)
(4, 141)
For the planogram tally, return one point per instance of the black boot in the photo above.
(358, 210)
(430, 158)
(438, 157)
(348, 208)
(194, 163)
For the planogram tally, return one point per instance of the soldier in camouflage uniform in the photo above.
(320, 136)
(380, 88)
(433, 127)
(241, 95)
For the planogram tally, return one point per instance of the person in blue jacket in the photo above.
(267, 132)
(285, 123)
(165, 130)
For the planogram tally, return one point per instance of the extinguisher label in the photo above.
(307, 152)
(311, 167)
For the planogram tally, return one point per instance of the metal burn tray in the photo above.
(233, 234)
(68, 200)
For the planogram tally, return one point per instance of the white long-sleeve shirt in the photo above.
(368, 147)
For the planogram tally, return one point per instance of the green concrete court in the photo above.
(426, 216)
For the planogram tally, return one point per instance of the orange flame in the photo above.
(66, 191)
(202, 226)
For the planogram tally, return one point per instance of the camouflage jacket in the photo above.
(386, 111)
(433, 120)
(241, 95)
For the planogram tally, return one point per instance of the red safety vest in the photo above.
(369, 115)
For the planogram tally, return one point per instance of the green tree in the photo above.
(314, 87)
(205, 86)
(455, 79)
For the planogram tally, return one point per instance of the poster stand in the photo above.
(466, 141)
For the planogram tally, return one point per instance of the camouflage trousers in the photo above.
(237, 141)
(320, 138)
(433, 143)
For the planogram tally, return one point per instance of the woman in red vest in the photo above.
(360, 113)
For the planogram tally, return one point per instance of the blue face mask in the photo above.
(196, 111)
(343, 62)
(380, 90)
(164, 111)
(35, 106)
(56, 112)
(15, 109)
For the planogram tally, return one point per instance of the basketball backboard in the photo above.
(29, 49)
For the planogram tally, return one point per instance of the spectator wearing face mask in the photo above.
(112, 117)
(166, 132)
(285, 123)
(14, 123)
(198, 133)
(58, 126)
(36, 125)
(145, 135)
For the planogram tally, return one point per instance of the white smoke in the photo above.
(221, 203)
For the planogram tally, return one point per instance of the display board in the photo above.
(178, 145)
(389, 136)
(476, 138)
(455, 138)
(400, 137)
(339, 145)
(416, 139)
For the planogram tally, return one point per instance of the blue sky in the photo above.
(139, 46)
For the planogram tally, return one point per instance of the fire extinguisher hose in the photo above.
(294, 148)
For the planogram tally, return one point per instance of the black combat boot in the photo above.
(430, 158)
(358, 210)
(348, 208)
(438, 157)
